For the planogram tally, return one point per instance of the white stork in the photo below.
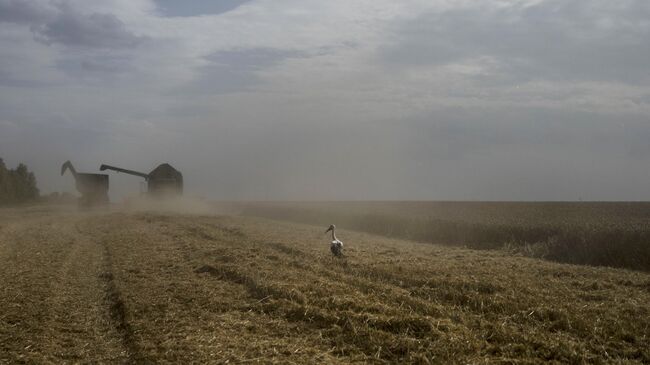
(337, 246)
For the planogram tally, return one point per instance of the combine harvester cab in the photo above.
(93, 187)
(162, 182)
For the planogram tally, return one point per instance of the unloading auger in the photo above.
(163, 181)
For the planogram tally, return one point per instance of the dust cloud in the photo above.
(180, 205)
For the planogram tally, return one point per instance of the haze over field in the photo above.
(286, 99)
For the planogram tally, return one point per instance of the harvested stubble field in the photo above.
(120, 287)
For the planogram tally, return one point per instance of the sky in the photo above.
(333, 100)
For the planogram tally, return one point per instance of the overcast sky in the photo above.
(337, 99)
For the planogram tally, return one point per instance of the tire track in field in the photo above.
(117, 309)
(114, 304)
(56, 313)
(178, 315)
(78, 327)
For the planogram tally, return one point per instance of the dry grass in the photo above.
(171, 288)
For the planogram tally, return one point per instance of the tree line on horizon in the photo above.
(17, 185)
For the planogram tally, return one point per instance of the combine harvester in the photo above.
(93, 187)
(162, 182)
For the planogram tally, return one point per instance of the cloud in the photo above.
(237, 70)
(549, 40)
(199, 7)
(9, 80)
(25, 11)
(94, 30)
(252, 58)
(63, 23)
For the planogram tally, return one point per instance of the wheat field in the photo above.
(148, 287)
(615, 234)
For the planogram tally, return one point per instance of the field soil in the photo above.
(146, 287)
